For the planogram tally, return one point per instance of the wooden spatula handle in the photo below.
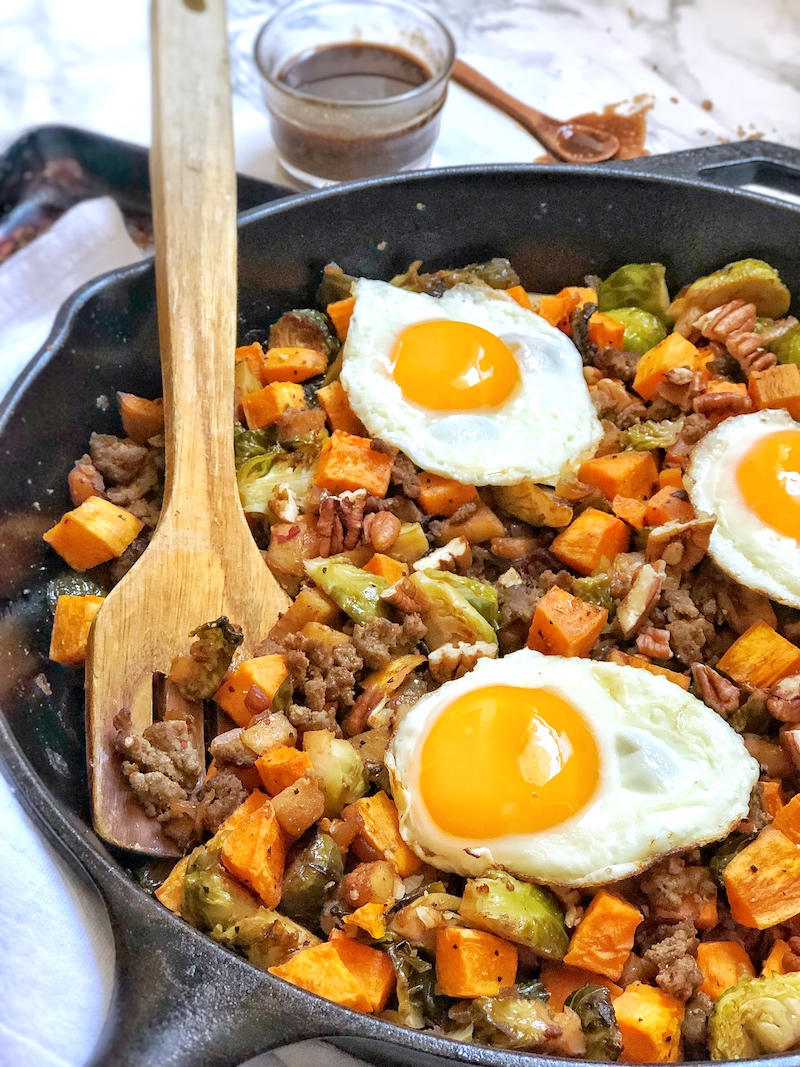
(193, 177)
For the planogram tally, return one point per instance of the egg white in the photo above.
(548, 422)
(673, 775)
(742, 544)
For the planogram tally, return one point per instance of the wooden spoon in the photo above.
(202, 561)
(572, 142)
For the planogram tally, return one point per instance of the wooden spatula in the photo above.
(202, 561)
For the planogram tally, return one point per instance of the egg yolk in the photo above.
(507, 759)
(769, 480)
(453, 366)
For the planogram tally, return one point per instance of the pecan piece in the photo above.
(734, 324)
(454, 661)
(381, 529)
(721, 404)
(456, 553)
(680, 544)
(783, 701)
(640, 599)
(721, 695)
(406, 597)
(341, 521)
(654, 643)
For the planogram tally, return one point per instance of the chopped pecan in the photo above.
(734, 324)
(513, 547)
(406, 597)
(381, 529)
(634, 609)
(367, 703)
(654, 643)
(790, 742)
(454, 661)
(610, 397)
(623, 573)
(456, 553)
(721, 695)
(680, 387)
(686, 324)
(680, 544)
(340, 521)
(508, 579)
(283, 504)
(721, 404)
(783, 701)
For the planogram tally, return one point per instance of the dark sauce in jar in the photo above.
(355, 72)
(328, 133)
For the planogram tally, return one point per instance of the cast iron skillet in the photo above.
(180, 999)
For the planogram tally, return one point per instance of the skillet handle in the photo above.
(768, 166)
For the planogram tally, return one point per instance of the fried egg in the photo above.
(746, 473)
(470, 386)
(564, 771)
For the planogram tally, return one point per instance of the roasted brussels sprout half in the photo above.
(247, 444)
(335, 285)
(313, 873)
(199, 675)
(267, 939)
(517, 911)
(70, 583)
(340, 769)
(645, 436)
(451, 618)
(596, 589)
(211, 897)
(496, 273)
(756, 1017)
(636, 285)
(418, 1005)
(787, 347)
(356, 591)
(507, 1022)
(263, 475)
(304, 328)
(750, 280)
(643, 330)
(592, 1004)
(481, 596)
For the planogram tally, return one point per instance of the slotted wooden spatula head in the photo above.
(202, 561)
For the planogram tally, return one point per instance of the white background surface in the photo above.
(84, 63)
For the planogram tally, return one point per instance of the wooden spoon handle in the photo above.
(193, 182)
(536, 122)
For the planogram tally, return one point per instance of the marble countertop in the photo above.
(716, 70)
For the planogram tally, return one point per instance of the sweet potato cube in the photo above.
(291, 364)
(723, 963)
(624, 660)
(605, 332)
(370, 917)
(310, 605)
(321, 970)
(379, 828)
(281, 766)
(170, 892)
(559, 979)
(443, 496)
(266, 406)
(95, 532)
(386, 567)
(239, 815)
(775, 963)
(347, 463)
(481, 525)
(650, 1024)
(787, 818)
(518, 293)
(371, 968)
(760, 657)
(473, 963)
(777, 387)
(557, 309)
(671, 476)
(774, 800)
(565, 625)
(267, 673)
(763, 881)
(340, 312)
(590, 539)
(666, 505)
(673, 351)
(254, 851)
(604, 938)
(73, 619)
(629, 510)
(141, 419)
(632, 474)
(334, 402)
